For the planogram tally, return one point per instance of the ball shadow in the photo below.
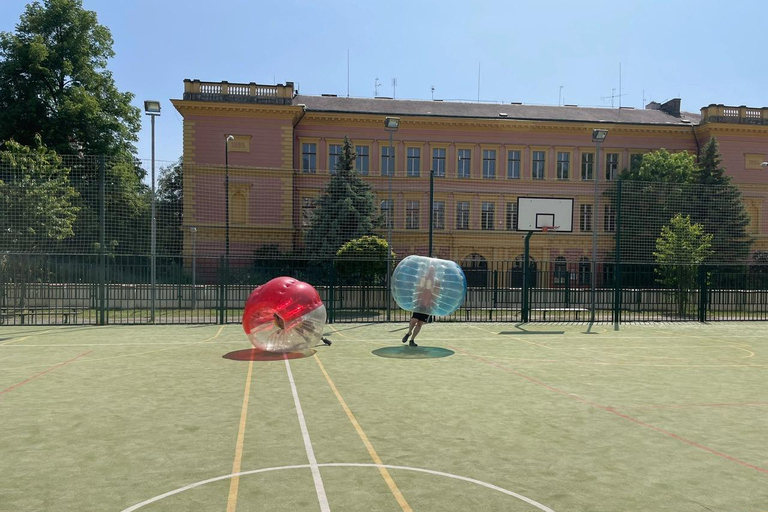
(254, 354)
(408, 352)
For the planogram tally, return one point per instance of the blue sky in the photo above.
(701, 51)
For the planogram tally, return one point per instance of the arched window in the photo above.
(585, 271)
(561, 271)
(475, 267)
(516, 275)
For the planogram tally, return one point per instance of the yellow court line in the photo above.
(22, 339)
(384, 473)
(235, 482)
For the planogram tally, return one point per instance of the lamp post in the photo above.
(391, 124)
(226, 192)
(598, 137)
(152, 109)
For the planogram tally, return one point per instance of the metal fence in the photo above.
(95, 290)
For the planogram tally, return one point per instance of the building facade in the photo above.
(484, 157)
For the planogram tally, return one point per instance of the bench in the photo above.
(545, 310)
(31, 314)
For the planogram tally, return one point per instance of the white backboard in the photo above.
(534, 213)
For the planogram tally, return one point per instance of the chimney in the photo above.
(671, 107)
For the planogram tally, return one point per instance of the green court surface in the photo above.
(479, 417)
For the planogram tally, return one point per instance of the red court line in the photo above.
(615, 412)
(44, 372)
(681, 406)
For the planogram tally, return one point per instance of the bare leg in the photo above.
(411, 325)
(416, 330)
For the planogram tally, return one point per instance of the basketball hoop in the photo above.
(545, 229)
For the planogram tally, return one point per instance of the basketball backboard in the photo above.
(535, 213)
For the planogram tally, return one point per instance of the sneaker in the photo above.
(405, 338)
(412, 344)
(327, 341)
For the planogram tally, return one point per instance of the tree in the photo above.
(652, 193)
(345, 210)
(36, 199)
(54, 82)
(363, 259)
(170, 208)
(719, 207)
(680, 249)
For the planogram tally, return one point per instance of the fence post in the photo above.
(222, 289)
(332, 295)
(102, 242)
(617, 290)
(703, 293)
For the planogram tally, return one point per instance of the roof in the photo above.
(492, 110)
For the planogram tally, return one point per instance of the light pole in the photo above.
(152, 109)
(598, 137)
(391, 124)
(226, 191)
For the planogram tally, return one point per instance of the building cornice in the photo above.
(252, 110)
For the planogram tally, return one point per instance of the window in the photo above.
(511, 216)
(387, 163)
(465, 163)
(362, 162)
(609, 221)
(513, 164)
(334, 155)
(537, 169)
(414, 161)
(611, 166)
(412, 215)
(585, 271)
(587, 166)
(309, 157)
(307, 211)
(438, 162)
(561, 271)
(635, 161)
(585, 217)
(386, 213)
(462, 215)
(488, 216)
(563, 165)
(438, 215)
(489, 163)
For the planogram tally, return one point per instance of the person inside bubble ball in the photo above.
(427, 291)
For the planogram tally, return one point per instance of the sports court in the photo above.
(480, 416)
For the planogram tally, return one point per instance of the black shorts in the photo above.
(420, 316)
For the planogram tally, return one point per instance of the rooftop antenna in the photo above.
(619, 85)
(376, 84)
(643, 98)
(394, 88)
(478, 82)
(432, 88)
(347, 72)
(611, 97)
(560, 96)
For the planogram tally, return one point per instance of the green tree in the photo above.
(37, 200)
(345, 210)
(680, 249)
(363, 259)
(719, 207)
(54, 82)
(170, 208)
(652, 193)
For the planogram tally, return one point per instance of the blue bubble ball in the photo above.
(429, 285)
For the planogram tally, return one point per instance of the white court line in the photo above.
(319, 488)
(343, 465)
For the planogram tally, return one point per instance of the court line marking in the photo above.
(15, 340)
(343, 465)
(512, 336)
(45, 371)
(179, 345)
(235, 482)
(681, 406)
(615, 412)
(322, 498)
(371, 451)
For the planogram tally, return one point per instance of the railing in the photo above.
(738, 115)
(195, 90)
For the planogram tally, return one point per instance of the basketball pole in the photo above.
(526, 258)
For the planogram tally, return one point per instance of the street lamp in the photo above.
(391, 124)
(598, 137)
(226, 190)
(152, 109)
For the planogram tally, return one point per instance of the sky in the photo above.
(545, 52)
